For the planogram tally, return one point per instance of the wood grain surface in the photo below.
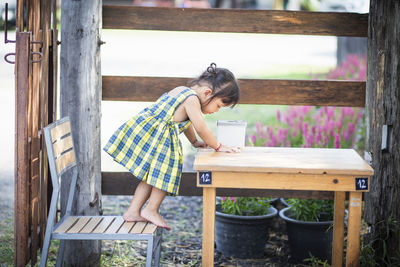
(235, 20)
(253, 91)
(285, 160)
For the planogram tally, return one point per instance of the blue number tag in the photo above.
(362, 183)
(205, 178)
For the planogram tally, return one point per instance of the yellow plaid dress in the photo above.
(148, 144)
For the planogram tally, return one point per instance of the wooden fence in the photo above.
(277, 92)
(35, 89)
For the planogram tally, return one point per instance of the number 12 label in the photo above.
(205, 178)
(362, 183)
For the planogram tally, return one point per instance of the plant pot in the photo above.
(308, 237)
(273, 201)
(284, 202)
(242, 236)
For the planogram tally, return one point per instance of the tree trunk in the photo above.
(382, 203)
(80, 99)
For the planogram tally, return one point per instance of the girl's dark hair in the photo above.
(222, 83)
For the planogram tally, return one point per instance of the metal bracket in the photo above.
(95, 200)
(386, 133)
(6, 28)
(7, 60)
(6, 37)
(368, 157)
(38, 60)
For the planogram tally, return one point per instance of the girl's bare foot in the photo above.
(154, 217)
(133, 217)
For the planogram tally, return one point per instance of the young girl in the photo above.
(149, 147)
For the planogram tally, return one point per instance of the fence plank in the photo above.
(235, 20)
(254, 91)
(123, 183)
(21, 169)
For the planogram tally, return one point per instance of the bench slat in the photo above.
(103, 225)
(126, 227)
(150, 228)
(62, 145)
(65, 160)
(138, 228)
(66, 225)
(60, 130)
(82, 221)
(116, 224)
(94, 221)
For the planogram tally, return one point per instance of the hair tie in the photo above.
(212, 69)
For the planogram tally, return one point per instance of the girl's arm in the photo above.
(191, 136)
(193, 110)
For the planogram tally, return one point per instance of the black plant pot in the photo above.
(242, 236)
(284, 202)
(307, 238)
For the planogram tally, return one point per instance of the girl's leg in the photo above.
(150, 212)
(140, 197)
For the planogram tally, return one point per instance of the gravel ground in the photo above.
(182, 245)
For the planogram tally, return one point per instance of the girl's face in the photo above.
(212, 106)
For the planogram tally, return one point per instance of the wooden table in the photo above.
(339, 170)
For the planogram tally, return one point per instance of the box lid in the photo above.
(231, 123)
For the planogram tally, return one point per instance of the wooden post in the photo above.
(208, 226)
(80, 99)
(383, 128)
(338, 229)
(354, 226)
(21, 169)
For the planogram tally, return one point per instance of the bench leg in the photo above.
(157, 254)
(60, 253)
(149, 256)
(45, 249)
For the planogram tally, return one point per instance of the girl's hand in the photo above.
(229, 149)
(199, 144)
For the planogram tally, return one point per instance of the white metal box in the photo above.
(231, 132)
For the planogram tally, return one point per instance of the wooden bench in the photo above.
(61, 155)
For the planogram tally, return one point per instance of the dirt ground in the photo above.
(182, 245)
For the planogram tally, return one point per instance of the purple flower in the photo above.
(337, 140)
(278, 115)
(345, 135)
(253, 139)
(305, 128)
(351, 128)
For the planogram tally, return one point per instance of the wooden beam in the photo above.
(274, 92)
(124, 183)
(235, 20)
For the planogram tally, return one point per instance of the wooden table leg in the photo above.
(338, 229)
(209, 194)
(354, 227)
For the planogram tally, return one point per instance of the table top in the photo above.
(284, 160)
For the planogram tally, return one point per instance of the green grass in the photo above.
(7, 242)
(294, 72)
